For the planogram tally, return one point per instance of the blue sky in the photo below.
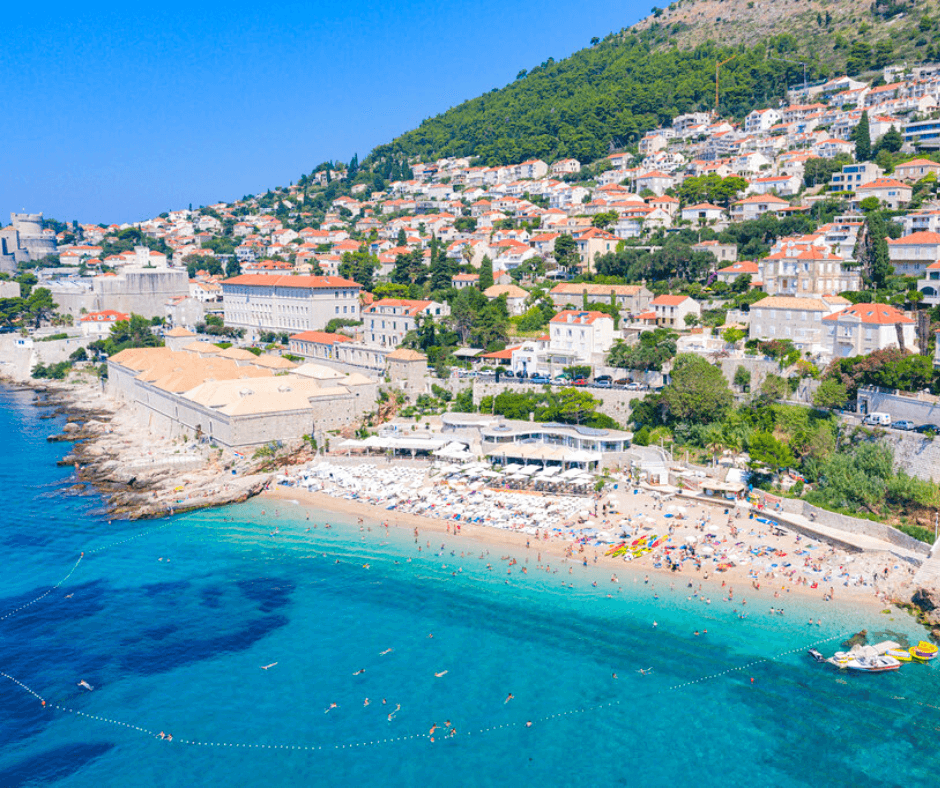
(117, 114)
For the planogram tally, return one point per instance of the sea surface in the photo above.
(173, 621)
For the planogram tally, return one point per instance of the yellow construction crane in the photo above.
(718, 65)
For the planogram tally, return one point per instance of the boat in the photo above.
(875, 664)
(865, 659)
(900, 654)
(816, 655)
(923, 651)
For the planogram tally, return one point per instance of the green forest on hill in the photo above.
(607, 96)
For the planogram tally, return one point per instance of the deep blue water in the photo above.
(177, 645)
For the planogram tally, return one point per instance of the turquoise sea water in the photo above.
(177, 645)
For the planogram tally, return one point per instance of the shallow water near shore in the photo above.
(178, 645)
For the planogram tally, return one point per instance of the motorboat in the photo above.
(865, 659)
(876, 664)
(816, 655)
(900, 654)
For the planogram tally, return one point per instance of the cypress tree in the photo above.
(862, 137)
(486, 273)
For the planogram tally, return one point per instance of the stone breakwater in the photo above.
(139, 474)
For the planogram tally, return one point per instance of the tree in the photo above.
(861, 135)
(698, 391)
(765, 448)
(486, 273)
(734, 335)
(742, 378)
(653, 349)
(566, 252)
(830, 394)
(233, 268)
(39, 305)
(890, 141)
(773, 388)
(875, 255)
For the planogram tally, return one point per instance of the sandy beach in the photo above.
(560, 552)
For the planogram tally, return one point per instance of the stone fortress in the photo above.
(24, 240)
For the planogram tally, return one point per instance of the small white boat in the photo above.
(876, 664)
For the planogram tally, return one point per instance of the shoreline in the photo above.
(173, 476)
(138, 475)
(737, 577)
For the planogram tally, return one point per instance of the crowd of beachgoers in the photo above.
(624, 522)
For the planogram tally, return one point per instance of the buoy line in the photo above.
(51, 705)
(45, 593)
(47, 704)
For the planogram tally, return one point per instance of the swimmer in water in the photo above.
(387, 651)
(359, 672)
(365, 702)
(331, 706)
(509, 697)
(441, 674)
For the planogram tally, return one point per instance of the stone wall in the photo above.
(17, 362)
(919, 408)
(142, 291)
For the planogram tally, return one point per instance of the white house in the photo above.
(581, 334)
(671, 310)
(757, 205)
(704, 214)
(912, 255)
(730, 273)
(864, 328)
(515, 297)
(916, 169)
(98, 324)
(385, 323)
(566, 167)
(889, 191)
(761, 120)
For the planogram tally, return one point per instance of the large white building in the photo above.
(799, 320)
(260, 302)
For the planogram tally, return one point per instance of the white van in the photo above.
(879, 419)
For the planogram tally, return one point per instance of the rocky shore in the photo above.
(139, 474)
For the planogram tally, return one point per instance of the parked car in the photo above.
(522, 374)
(925, 429)
(621, 382)
(604, 378)
(580, 382)
(508, 373)
(878, 419)
(539, 380)
(902, 424)
(603, 384)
